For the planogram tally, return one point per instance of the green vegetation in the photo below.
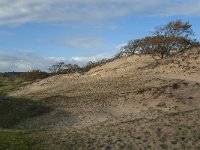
(21, 140)
(12, 140)
(10, 81)
(34, 75)
(12, 112)
(7, 85)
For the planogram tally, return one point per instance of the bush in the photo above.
(34, 75)
(166, 40)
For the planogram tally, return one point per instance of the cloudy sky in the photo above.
(37, 33)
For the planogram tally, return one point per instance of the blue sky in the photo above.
(36, 34)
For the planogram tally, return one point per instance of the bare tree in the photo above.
(176, 28)
(62, 68)
(57, 68)
(71, 68)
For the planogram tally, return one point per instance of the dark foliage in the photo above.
(62, 68)
(34, 75)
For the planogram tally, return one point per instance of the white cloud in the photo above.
(56, 59)
(84, 60)
(22, 61)
(26, 61)
(30, 11)
(81, 42)
(23, 66)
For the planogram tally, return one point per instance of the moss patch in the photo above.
(20, 140)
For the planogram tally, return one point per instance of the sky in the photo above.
(34, 34)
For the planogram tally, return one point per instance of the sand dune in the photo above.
(130, 103)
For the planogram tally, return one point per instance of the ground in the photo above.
(133, 102)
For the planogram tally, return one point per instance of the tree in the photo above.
(162, 46)
(57, 68)
(176, 28)
(126, 50)
(89, 66)
(172, 37)
(166, 40)
(62, 68)
(71, 68)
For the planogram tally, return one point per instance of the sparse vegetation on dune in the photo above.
(131, 102)
(166, 40)
(7, 84)
(126, 103)
(14, 111)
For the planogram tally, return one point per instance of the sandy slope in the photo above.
(129, 103)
